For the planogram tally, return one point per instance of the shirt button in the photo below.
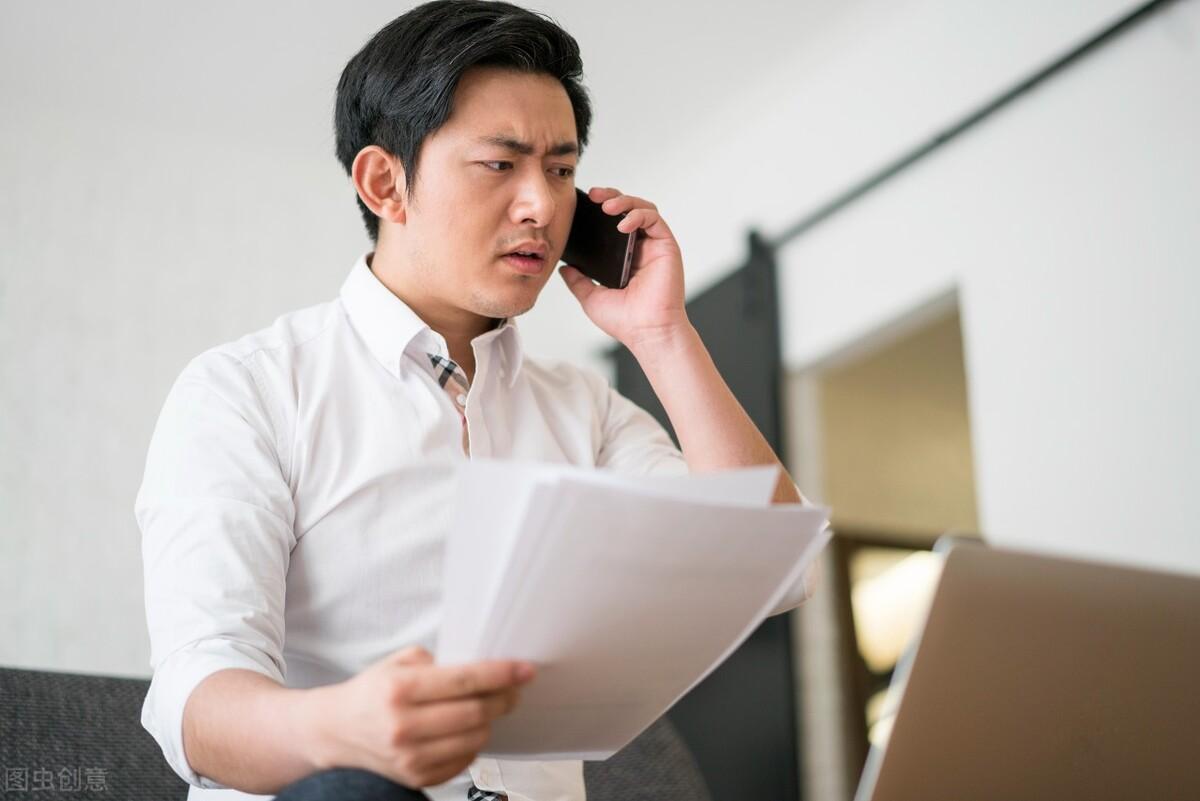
(462, 399)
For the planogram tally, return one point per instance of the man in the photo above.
(298, 483)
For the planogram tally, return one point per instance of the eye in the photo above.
(564, 172)
(501, 165)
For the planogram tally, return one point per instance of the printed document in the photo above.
(625, 591)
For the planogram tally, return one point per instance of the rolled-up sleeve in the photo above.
(631, 440)
(216, 516)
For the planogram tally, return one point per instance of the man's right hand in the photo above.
(414, 722)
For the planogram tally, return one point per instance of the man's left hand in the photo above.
(651, 306)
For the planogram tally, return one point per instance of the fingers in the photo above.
(447, 748)
(437, 683)
(602, 193)
(649, 220)
(442, 771)
(445, 718)
(638, 218)
(639, 213)
(438, 760)
(613, 201)
(422, 722)
(623, 203)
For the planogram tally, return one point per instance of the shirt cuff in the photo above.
(172, 684)
(560, 780)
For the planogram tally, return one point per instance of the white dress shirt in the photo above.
(299, 485)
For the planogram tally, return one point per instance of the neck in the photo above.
(457, 326)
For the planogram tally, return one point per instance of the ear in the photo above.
(379, 179)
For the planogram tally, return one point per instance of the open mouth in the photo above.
(526, 261)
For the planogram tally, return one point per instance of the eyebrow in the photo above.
(526, 149)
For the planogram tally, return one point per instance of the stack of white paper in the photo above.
(626, 591)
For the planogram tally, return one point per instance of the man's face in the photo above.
(478, 197)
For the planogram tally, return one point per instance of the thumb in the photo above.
(580, 285)
(412, 655)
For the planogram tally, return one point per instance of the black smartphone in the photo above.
(596, 247)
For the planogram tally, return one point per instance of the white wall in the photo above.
(1068, 224)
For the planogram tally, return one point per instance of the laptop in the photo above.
(1038, 677)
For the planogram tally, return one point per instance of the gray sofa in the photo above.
(80, 737)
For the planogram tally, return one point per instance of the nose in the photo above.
(534, 204)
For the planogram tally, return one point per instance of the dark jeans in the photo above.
(348, 784)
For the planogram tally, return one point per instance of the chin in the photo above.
(517, 310)
(512, 303)
(498, 307)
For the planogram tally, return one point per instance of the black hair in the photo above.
(398, 88)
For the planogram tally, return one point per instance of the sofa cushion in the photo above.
(57, 728)
(65, 730)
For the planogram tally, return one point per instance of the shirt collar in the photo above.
(389, 326)
(508, 339)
